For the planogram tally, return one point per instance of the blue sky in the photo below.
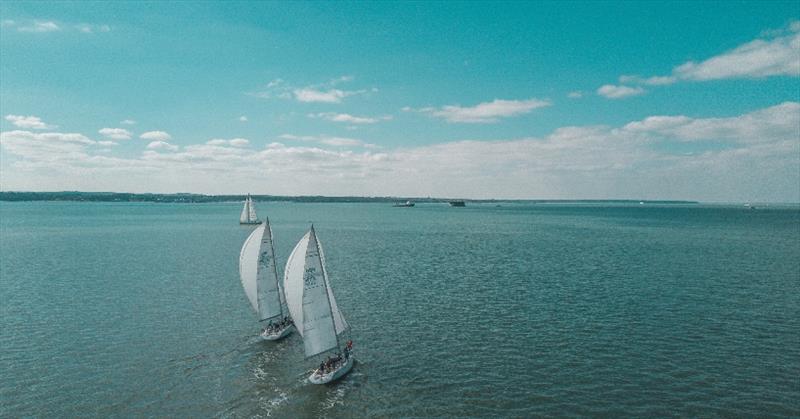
(475, 100)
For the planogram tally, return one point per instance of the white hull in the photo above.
(314, 378)
(286, 331)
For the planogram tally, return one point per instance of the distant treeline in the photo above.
(200, 198)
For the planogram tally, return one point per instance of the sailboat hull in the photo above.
(249, 222)
(332, 376)
(286, 331)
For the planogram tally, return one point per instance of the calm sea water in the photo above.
(135, 309)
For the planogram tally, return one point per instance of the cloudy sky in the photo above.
(590, 100)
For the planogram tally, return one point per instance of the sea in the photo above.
(492, 310)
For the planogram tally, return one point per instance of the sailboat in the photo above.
(259, 275)
(249, 212)
(313, 308)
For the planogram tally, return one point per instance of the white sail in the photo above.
(259, 274)
(338, 318)
(310, 299)
(252, 210)
(293, 282)
(245, 211)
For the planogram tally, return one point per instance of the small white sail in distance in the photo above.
(259, 274)
(248, 215)
(310, 299)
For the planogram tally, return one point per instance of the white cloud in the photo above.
(342, 79)
(650, 81)
(778, 56)
(659, 80)
(318, 93)
(107, 143)
(45, 146)
(116, 133)
(235, 142)
(341, 142)
(312, 95)
(156, 136)
(618, 92)
(128, 122)
(777, 53)
(30, 122)
(350, 119)
(161, 145)
(328, 140)
(40, 26)
(575, 95)
(243, 118)
(748, 157)
(767, 125)
(486, 112)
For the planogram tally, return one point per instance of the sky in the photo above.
(518, 100)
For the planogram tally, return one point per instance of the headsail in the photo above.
(245, 211)
(259, 274)
(310, 298)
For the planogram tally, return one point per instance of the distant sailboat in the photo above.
(313, 308)
(259, 275)
(248, 215)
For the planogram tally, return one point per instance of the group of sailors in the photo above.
(273, 327)
(331, 364)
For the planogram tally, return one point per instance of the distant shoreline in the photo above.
(202, 198)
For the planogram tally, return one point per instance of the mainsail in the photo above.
(310, 298)
(259, 274)
(252, 210)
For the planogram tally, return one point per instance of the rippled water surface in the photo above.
(135, 309)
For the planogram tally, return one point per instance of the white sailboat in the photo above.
(313, 308)
(259, 275)
(248, 215)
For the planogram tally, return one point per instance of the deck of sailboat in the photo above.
(334, 375)
(286, 331)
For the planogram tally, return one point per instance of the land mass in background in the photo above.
(201, 198)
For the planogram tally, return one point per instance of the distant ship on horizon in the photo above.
(457, 204)
(406, 204)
